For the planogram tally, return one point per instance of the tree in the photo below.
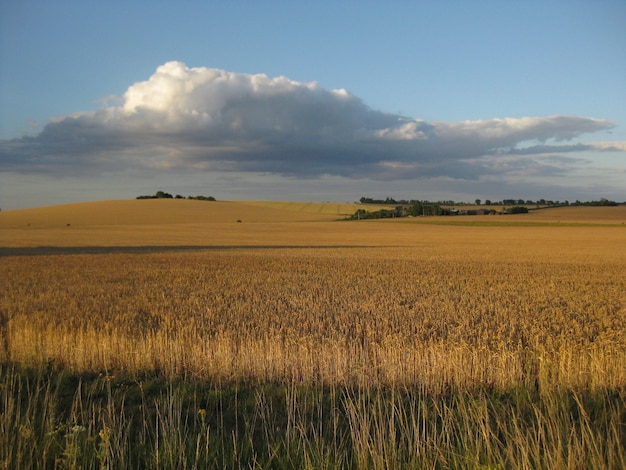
(517, 210)
(477, 201)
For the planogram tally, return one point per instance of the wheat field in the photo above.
(373, 331)
(281, 298)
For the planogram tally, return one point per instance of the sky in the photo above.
(312, 101)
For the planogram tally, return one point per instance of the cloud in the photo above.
(609, 146)
(211, 120)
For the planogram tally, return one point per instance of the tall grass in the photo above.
(56, 420)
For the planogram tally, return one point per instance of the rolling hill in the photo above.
(173, 211)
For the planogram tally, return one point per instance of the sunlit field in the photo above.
(172, 333)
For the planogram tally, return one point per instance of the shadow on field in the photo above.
(104, 250)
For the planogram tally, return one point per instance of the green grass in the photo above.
(52, 419)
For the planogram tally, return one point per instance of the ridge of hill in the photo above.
(164, 212)
(174, 211)
(133, 224)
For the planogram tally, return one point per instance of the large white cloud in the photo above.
(201, 119)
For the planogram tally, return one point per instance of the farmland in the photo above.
(252, 334)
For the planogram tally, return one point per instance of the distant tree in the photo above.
(488, 202)
(517, 210)
(388, 200)
(605, 202)
(477, 201)
(416, 209)
(158, 195)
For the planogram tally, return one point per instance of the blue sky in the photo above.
(443, 100)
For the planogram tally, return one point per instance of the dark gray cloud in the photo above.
(199, 119)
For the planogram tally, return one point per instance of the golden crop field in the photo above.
(195, 334)
(174, 212)
(183, 288)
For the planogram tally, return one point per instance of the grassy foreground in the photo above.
(181, 338)
(59, 420)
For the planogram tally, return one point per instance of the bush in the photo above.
(164, 195)
(517, 210)
(201, 198)
(158, 195)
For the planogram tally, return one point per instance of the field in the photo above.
(175, 333)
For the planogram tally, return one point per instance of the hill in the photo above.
(179, 222)
(173, 211)
(580, 214)
(187, 223)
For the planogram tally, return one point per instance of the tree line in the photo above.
(164, 195)
(412, 209)
(489, 202)
(416, 208)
